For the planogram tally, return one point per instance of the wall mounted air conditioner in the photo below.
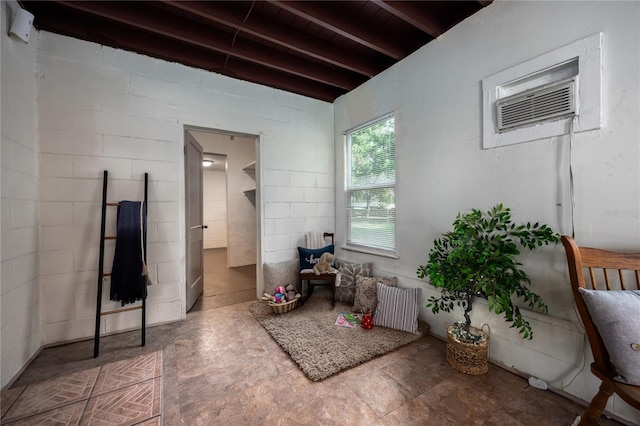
(539, 104)
(550, 95)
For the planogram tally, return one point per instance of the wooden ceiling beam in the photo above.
(414, 13)
(258, 25)
(321, 13)
(77, 25)
(190, 32)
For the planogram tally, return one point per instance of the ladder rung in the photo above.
(117, 311)
(110, 237)
(112, 204)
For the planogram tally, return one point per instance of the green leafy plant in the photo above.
(479, 259)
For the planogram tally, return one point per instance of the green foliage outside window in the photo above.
(371, 185)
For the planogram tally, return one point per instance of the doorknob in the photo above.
(199, 227)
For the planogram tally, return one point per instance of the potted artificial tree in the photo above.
(478, 258)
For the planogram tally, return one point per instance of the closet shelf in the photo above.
(250, 169)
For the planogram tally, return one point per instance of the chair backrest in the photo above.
(607, 270)
(330, 235)
(315, 240)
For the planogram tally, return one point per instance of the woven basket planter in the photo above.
(283, 308)
(467, 357)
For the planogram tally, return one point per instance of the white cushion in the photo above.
(616, 314)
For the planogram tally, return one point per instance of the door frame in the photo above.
(259, 205)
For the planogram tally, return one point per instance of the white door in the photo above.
(194, 253)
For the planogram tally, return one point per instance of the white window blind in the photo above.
(371, 185)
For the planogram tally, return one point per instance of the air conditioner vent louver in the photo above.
(537, 105)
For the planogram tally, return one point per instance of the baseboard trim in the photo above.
(66, 342)
(111, 333)
(24, 367)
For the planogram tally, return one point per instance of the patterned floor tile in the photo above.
(127, 406)
(53, 393)
(121, 374)
(8, 397)
(68, 415)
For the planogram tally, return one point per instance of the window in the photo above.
(371, 186)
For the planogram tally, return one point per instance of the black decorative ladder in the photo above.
(102, 274)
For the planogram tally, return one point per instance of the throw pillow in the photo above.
(367, 292)
(397, 308)
(309, 257)
(346, 287)
(281, 273)
(615, 314)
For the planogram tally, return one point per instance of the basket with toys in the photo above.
(283, 300)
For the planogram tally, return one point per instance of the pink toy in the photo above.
(281, 289)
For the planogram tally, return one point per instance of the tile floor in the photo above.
(119, 393)
(220, 367)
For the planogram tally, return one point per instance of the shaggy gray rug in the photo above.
(321, 348)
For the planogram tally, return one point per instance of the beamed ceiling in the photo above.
(317, 49)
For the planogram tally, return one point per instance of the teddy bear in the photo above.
(324, 264)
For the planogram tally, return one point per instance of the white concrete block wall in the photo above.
(20, 294)
(298, 201)
(100, 108)
(441, 168)
(214, 189)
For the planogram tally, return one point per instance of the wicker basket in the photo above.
(283, 308)
(466, 357)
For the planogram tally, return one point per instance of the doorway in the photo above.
(230, 220)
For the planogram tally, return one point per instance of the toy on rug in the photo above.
(324, 264)
(282, 294)
(367, 320)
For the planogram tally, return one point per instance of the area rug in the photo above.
(321, 348)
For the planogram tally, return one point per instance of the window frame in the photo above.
(354, 246)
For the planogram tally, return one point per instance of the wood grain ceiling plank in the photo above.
(370, 34)
(261, 26)
(322, 14)
(158, 22)
(415, 14)
(77, 25)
